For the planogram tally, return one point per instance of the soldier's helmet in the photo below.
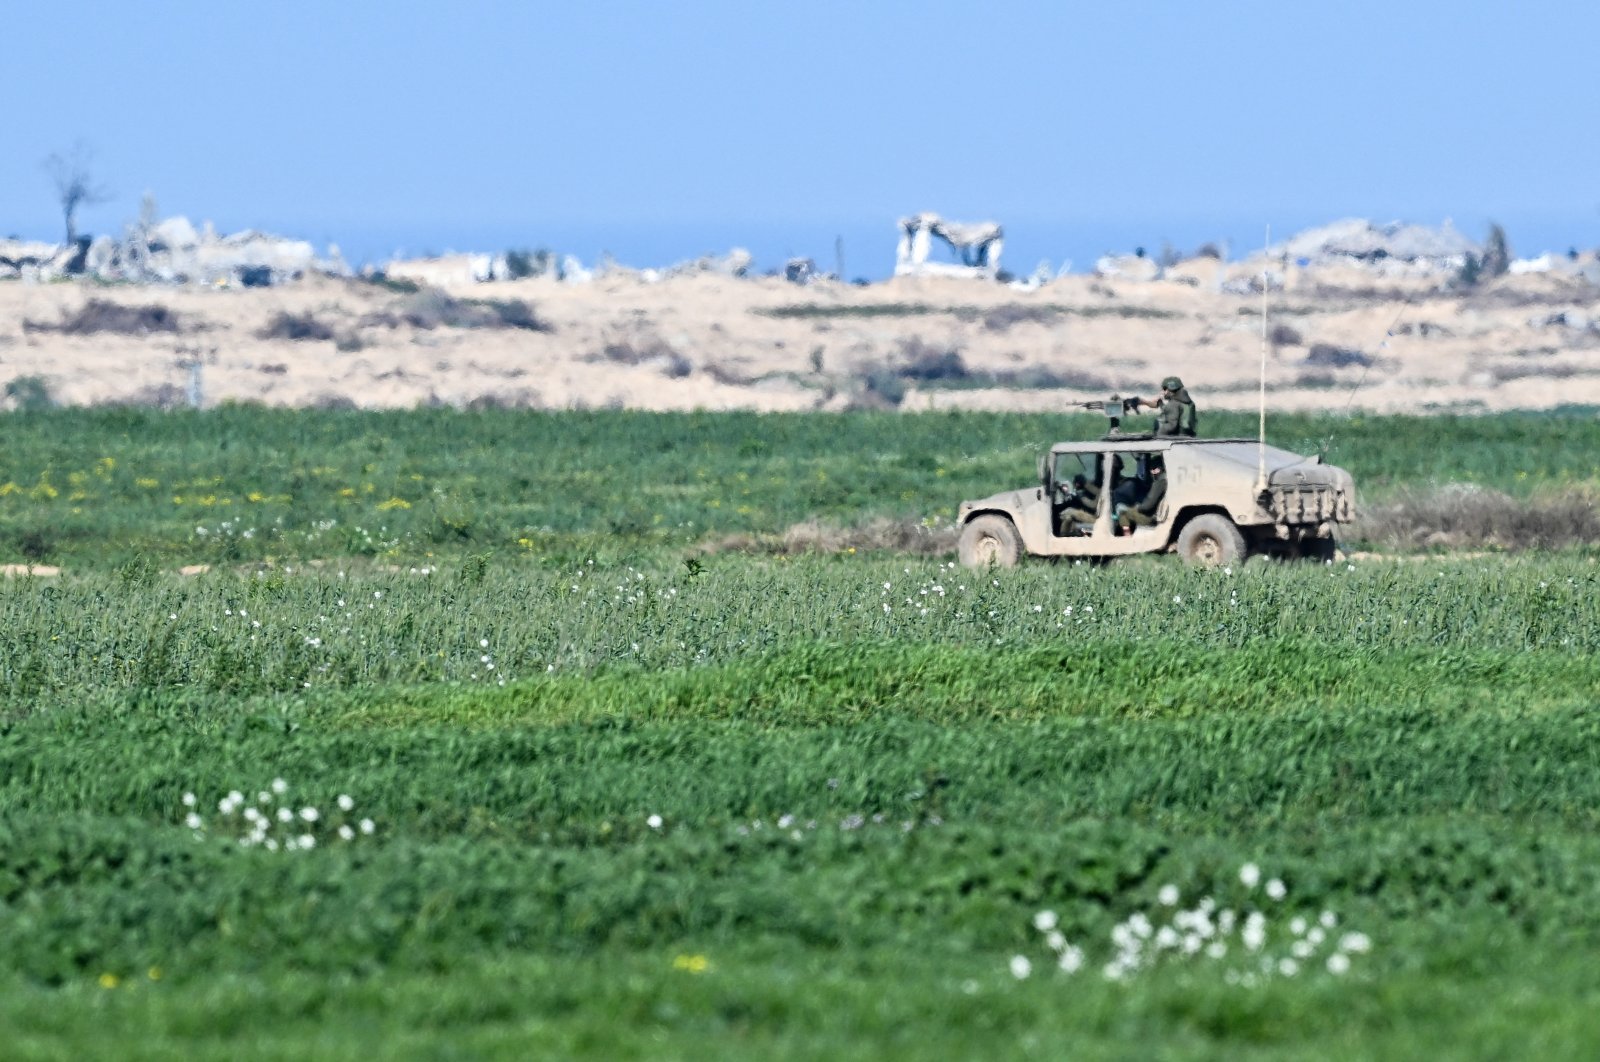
(1172, 383)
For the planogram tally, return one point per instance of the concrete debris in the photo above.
(801, 271)
(573, 271)
(736, 263)
(1041, 275)
(26, 258)
(172, 251)
(1253, 282)
(1128, 267)
(976, 244)
(1583, 266)
(1392, 249)
(449, 270)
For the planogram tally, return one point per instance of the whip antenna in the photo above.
(1261, 400)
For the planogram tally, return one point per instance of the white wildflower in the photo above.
(1021, 967)
(1045, 921)
(1355, 942)
(1249, 875)
(1276, 889)
(1168, 895)
(1338, 963)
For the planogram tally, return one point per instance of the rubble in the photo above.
(977, 244)
(736, 263)
(1391, 249)
(172, 251)
(442, 271)
(1128, 267)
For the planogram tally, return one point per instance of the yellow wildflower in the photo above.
(695, 964)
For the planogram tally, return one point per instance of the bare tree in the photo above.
(74, 186)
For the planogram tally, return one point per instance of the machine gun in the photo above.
(1117, 407)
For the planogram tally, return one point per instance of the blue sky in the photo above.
(659, 131)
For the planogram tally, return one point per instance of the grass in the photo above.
(106, 488)
(630, 806)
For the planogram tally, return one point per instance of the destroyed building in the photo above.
(171, 251)
(976, 244)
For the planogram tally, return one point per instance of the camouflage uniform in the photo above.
(1178, 415)
(1144, 513)
(1081, 506)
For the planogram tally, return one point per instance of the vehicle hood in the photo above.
(1010, 501)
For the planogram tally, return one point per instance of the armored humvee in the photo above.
(1218, 508)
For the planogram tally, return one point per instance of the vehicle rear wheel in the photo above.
(1211, 540)
(990, 540)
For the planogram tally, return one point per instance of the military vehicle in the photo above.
(1226, 500)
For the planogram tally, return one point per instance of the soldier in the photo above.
(1178, 415)
(1080, 507)
(1144, 513)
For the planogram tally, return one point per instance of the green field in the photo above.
(611, 792)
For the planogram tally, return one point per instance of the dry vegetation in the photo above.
(1463, 516)
(764, 344)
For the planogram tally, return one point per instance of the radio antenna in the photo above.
(1261, 400)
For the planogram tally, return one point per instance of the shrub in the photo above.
(924, 361)
(30, 393)
(1328, 356)
(521, 264)
(646, 351)
(102, 315)
(1496, 253)
(1282, 335)
(295, 326)
(398, 285)
(1003, 317)
(884, 387)
(430, 309)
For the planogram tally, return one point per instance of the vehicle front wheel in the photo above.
(990, 540)
(1211, 540)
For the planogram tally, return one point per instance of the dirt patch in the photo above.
(44, 571)
(818, 536)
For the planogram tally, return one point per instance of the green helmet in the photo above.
(1172, 383)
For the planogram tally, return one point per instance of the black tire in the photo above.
(989, 540)
(1318, 550)
(1211, 540)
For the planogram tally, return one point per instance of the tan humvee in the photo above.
(1217, 510)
